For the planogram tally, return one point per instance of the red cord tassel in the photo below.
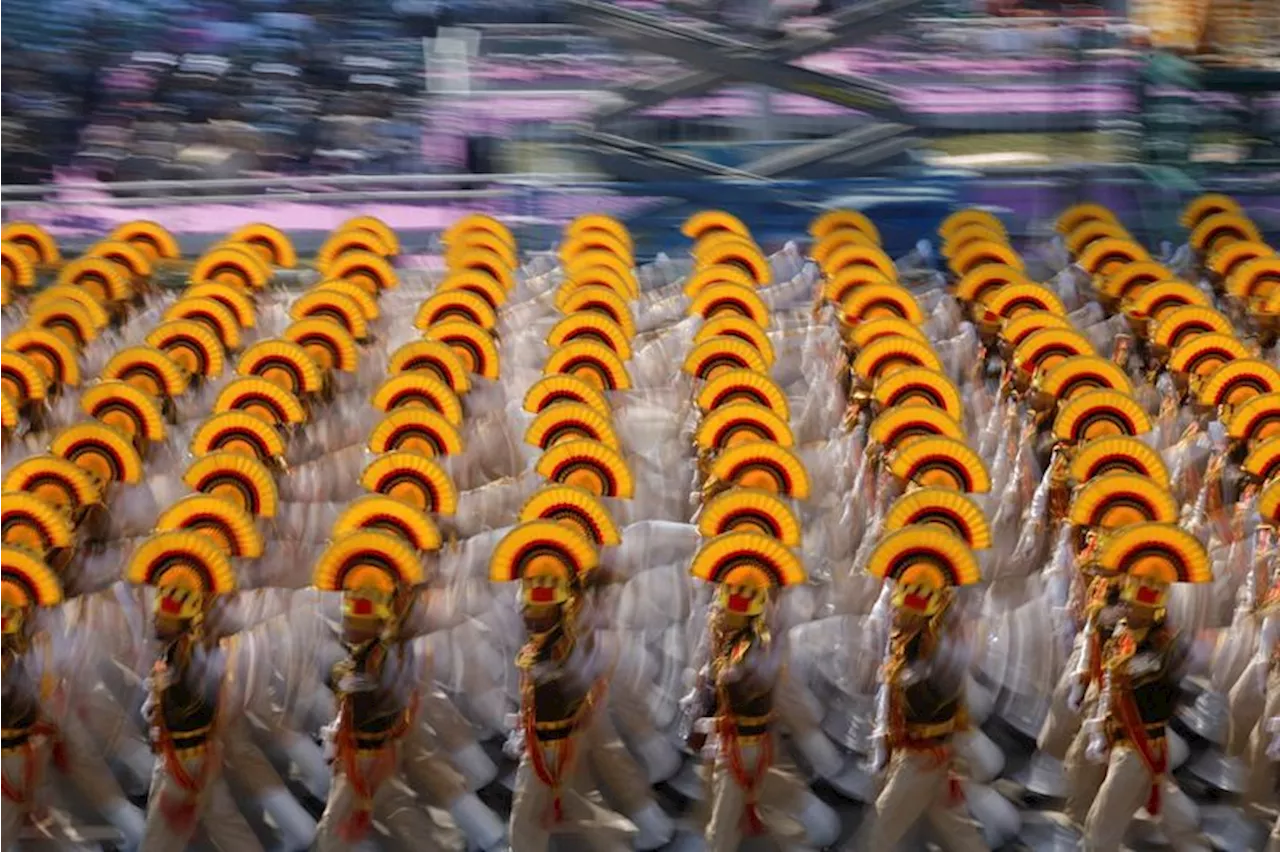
(179, 811)
(955, 792)
(755, 826)
(22, 796)
(9, 793)
(356, 826)
(749, 782)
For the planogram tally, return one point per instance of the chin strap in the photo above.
(550, 645)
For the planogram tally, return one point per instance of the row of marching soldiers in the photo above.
(564, 735)
(200, 479)
(1194, 390)
(76, 452)
(1136, 562)
(749, 479)
(616, 619)
(926, 540)
(921, 486)
(1081, 394)
(1105, 511)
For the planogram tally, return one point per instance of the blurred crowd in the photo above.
(208, 89)
(182, 89)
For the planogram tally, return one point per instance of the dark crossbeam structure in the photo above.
(716, 60)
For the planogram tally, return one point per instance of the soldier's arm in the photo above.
(949, 663)
(277, 650)
(758, 668)
(1184, 655)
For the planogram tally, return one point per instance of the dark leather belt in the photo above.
(926, 744)
(553, 734)
(15, 741)
(1154, 731)
(183, 742)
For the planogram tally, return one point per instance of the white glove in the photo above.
(1096, 752)
(329, 741)
(513, 747)
(879, 756)
(1142, 664)
(1273, 728)
(1075, 696)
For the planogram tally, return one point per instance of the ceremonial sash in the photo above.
(19, 795)
(365, 784)
(749, 780)
(1154, 755)
(553, 775)
(182, 813)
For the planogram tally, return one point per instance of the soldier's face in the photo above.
(909, 621)
(167, 628)
(734, 622)
(540, 619)
(1139, 616)
(360, 630)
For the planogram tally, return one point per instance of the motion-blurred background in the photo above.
(567, 94)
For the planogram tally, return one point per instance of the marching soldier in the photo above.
(190, 705)
(1098, 508)
(41, 733)
(565, 734)
(752, 790)
(357, 672)
(376, 683)
(921, 705)
(1142, 665)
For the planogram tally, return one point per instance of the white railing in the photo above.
(278, 188)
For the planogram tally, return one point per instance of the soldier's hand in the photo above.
(1075, 697)
(1273, 727)
(514, 745)
(1143, 664)
(879, 758)
(1096, 752)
